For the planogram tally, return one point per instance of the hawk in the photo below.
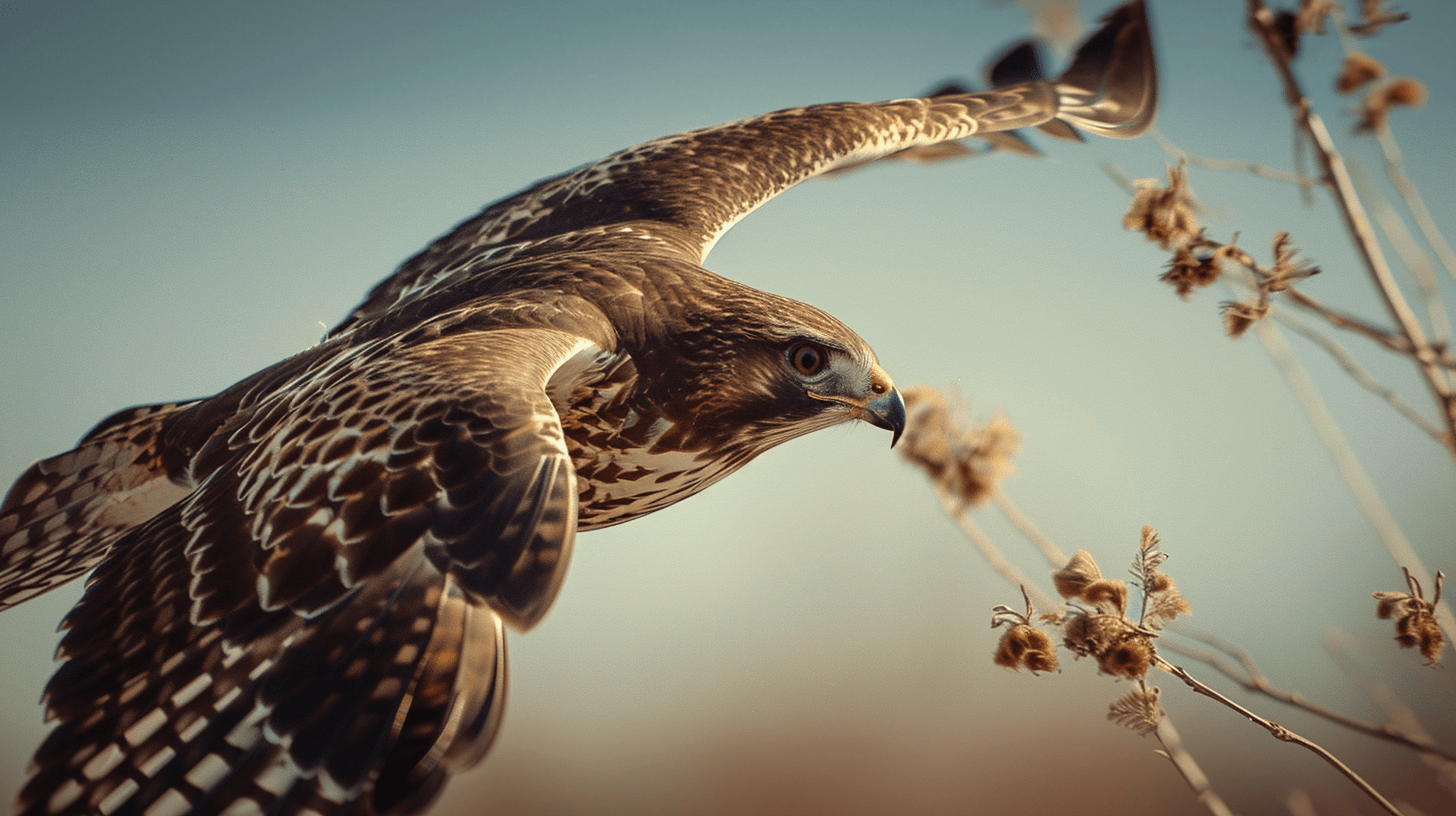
(300, 586)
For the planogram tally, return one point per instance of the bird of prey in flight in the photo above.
(300, 585)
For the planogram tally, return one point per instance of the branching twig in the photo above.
(1228, 165)
(1262, 23)
(1253, 679)
(1360, 375)
(1347, 463)
(1279, 732)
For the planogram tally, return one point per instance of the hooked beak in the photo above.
(887, 411)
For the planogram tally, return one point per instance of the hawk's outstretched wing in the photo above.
(680, 193)
(301, 582)
(339, 577)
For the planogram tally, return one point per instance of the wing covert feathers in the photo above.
(677, 195)
(340, 577)
(301, 584)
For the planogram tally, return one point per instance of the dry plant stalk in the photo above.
(1252, 678)
(1168, 216)
(1098, 622)
(965, 464)
(1280, 44)
(1097, 625)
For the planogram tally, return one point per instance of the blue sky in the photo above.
(190, 192)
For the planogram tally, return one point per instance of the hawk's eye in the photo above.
(808, 359)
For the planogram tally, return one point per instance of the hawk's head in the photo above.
(748, 370)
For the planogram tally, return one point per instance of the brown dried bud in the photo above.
(1357, 70)
(1129, 658)
(1239, 316)
(1192, 267)
(1080, 571)
(1025, 645)
(1415, 617)
(1401, 91)
(1107, 595)
(1164, 214)
(1374, 17)
(965, 461)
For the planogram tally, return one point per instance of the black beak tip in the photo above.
(887, 411)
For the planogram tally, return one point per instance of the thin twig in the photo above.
(1188, 768)
(1343, 320)
(1357, 223)
(1349, 322)
(1279, 732)
(1411, 254)
(956, 509)
(1395, 171)
(1049, 551)
(1360, 375)
(1395, 167)
(1347, 463)
(1443, 764)
(1253, 679)
(1231, 166)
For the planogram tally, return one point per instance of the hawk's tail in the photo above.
(1111, 87)
(62, 514)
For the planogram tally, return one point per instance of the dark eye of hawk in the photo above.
(808, 358)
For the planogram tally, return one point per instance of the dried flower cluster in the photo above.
(1022, 645)
(1357, 70)
(1415, 617)
(1120, 646)
(1398, 92)
(1166, 216)
(1102, 629)
(962, 460)
(1199, 262)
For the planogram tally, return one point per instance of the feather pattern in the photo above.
(301, 584)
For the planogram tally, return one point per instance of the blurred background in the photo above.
(190, 192)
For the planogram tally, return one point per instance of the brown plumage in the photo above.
(301, 583)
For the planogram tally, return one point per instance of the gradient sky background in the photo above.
(190, 192)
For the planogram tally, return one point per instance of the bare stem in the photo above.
(1053, 555)
(956, 509)
(1346, 462)
(1443, 764)
(1348, 322)
(1410, 253)
(1395, 171)
(1360, 375)
(1357, 223)
(1188, 768)
(1228, 165)
(1279, 732)
(1252, 678)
